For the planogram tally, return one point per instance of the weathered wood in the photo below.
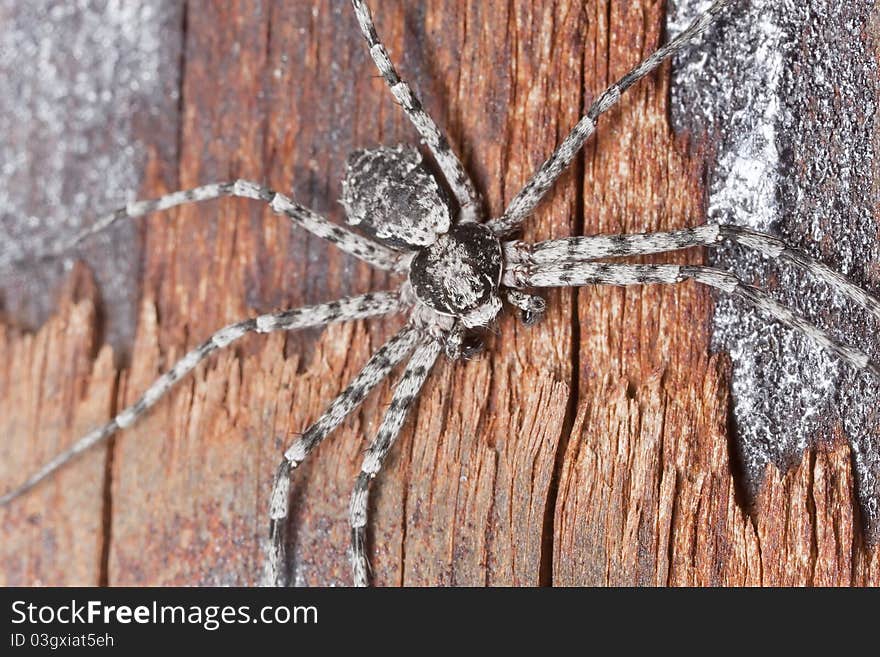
(54, 387)
(591, 449)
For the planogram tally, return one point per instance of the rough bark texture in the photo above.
(591, 449)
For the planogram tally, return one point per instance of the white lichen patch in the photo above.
(82, 85)
(786, 93)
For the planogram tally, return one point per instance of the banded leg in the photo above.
(453, 170)
(367, 305)
(371, 252)
(594, 273)
(524, 203)
(596, 247)
(405, 394)
(374, 372)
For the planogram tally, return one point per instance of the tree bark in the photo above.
(593, 448)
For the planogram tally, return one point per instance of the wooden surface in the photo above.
(591, 449)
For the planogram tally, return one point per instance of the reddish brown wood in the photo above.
(54, 386)
(591, 449)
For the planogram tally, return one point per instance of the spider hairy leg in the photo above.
(524, 203)
(377, 369)
(367, 305)
(361, 247)
(593, 273)
(597, 247)
(450, 165)
(402, 400)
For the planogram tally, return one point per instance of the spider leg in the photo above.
(367, 305)
(366, 249)
(453, 170)
(597, 247)
(534, 190)
(374, 372)
(405, 394)
(595, 273)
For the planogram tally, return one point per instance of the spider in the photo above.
(459, 268)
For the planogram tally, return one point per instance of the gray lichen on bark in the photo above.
(85, 88)
(785, 93)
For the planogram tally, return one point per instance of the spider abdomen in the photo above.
(459, 274)
(389, 193)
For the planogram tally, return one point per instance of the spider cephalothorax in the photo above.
(457, 271)
(459, 274)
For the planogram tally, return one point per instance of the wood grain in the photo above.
(591, 449)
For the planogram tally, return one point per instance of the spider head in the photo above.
(391, 195)
(459, 273)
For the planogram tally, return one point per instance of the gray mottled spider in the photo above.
(459, 268)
